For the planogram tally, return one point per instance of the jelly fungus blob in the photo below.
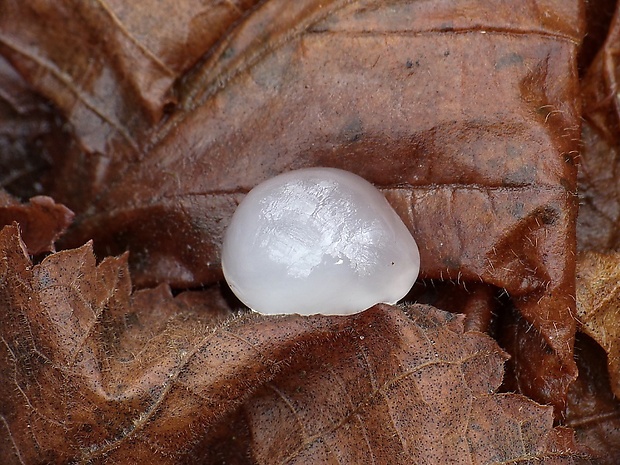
(318, 240)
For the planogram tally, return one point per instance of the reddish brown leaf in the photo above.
(530, 367)
(476, 301)
(599, 213)
(115, 80)
(598, 306)
(599, 14)
(95, 374)
(41, 221)
(110, 68)
(30, 135)
(593, 410)
(464, 113)
(437, 423)
(26, 133)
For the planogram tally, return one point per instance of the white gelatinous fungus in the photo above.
(318, 240)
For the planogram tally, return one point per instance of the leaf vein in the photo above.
(133, 39)
(8, 429)
(67, 81)
(381, 391)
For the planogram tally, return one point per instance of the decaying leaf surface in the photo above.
(593, 407)
(42, 221)
(478, 302)
(29, 135)
(438, 423)
(598, 305)
(117, 78)
(464, 113)
(96, 374)
(599, 213)
(593, 410)
(599, 14)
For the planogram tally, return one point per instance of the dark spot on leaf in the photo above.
(549, 216)
(510, 59)
(353, 131)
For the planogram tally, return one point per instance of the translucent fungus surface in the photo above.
(318, 240)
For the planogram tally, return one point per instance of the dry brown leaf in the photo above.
(110, 67)
(30, 135)
(599, 190)
(116, 80)
(423, 401)
(42, 221)
(599, 14)
(95, 374)
(593, 410)
(598, 305)
(478, 302)
(466, 114)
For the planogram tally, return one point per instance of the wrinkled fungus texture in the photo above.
(318, 240)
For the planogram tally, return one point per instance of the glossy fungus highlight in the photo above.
(318, 240)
